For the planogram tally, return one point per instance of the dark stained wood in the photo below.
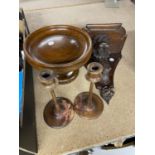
(108, 41)
(61, 48)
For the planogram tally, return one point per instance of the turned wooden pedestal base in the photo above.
(67, 77)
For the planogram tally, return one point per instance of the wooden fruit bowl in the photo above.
(61, 48)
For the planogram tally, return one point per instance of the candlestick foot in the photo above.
(61, 116)
(88, 110)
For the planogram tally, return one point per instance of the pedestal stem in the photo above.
(90, 93)
(54, 99)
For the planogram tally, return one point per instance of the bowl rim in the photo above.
(72, 64)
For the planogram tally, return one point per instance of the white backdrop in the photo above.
(123, 151)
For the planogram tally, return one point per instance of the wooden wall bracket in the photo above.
(108, 41)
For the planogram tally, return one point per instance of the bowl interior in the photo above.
(56, 45)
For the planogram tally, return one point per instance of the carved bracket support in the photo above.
(108, 41)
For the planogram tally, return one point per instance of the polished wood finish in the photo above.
(61, 117)
(88, 104)
(108, 41)
(59, 110)
(61, 48)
